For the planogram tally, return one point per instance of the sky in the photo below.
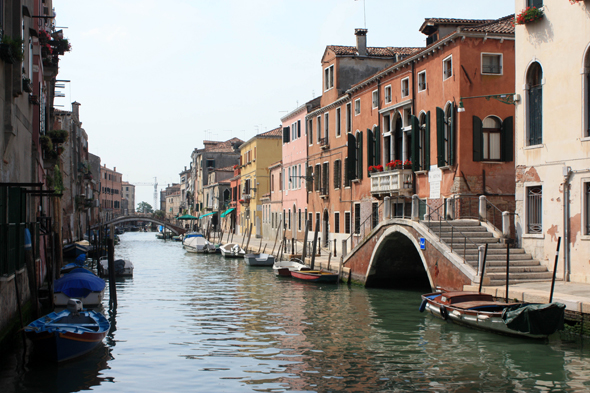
(156, 78)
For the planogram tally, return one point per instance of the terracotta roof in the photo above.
(372, 51)
(503, 26)
(429, 25)
(227, 146)
(272, 133)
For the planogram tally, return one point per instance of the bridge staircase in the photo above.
(464, 236)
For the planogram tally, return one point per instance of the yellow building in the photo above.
(256, 155)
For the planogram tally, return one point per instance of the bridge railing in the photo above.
(361, 229)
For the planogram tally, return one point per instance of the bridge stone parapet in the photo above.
(391, 255)
(144, 217)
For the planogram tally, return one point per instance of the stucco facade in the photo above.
(552, 136)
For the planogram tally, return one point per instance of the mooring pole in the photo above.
(248, 243)
(304, 251)
(555, 271)
(112, 284)
(507, 267)
(315, 241)
(483, 266)
(275, 243)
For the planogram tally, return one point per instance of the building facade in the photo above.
(110, 196)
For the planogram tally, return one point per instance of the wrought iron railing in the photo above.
(360, 231)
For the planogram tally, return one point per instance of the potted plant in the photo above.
(27, 85)
(58, 136)
(11, 50)
(528, 15)
(407, 164)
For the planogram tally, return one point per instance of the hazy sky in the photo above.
(156, 78)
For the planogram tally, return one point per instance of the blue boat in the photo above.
(79, 284)
(67, 334)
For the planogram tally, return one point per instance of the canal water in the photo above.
(201, 323)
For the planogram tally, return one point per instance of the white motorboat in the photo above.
(284, 268)
(123, 267)
(232, 250)
(197, 244)
(259, 259)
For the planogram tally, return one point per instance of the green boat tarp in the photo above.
(542, 319)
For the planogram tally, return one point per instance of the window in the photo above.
(375, 99)
(210, 164)
(337, 174)
(319, 128)
(349, 117)
(289, 220)
(338, 122)
(299, 177)
(336, 222)
(317, 220)
(374, 214)
(299, 220)
(405, 87)
(347, 222)
(535, 105)
(447, 67)
(491, 138)
(357, 218)
(535, 3)
(326, 127)
(357, 107)
(317, 177)
(329, 78)
(388, 94)
(586, 109)
(310, 130)
(421, 81)
(421, 140)
(309, 179)
(586, 207)
(325, 178)
(286, 135)
(491, 63)
(445, 131)
(272, 183)
(534, 199)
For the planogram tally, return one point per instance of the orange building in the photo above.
(111, 182)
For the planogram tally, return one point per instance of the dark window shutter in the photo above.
(377, 152)
(351, 162)
(286, 134)
(309, 180)
(370, 147)
(415, 143)
(427, 143)
(359, 157)
(298, 128)
(477, 139)
(452, 135)
(507, 139)
(440, 137)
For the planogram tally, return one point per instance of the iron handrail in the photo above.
(353, 230)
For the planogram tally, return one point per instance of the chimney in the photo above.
(115, 169)
(361, 41)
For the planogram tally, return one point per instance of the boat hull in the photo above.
(315, 276)
(93, 299)
(232, 250)
(284, 268)
(259, 259)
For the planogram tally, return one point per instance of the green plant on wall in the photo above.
(46, 143)
(58, 184)
(11, 50)
(58, 136)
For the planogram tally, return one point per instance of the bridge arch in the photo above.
(121, 219)
(397, 261)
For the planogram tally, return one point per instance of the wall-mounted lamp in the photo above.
(509, 98)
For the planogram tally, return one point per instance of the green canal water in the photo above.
(201, 323)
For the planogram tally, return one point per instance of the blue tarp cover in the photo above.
(79, 284)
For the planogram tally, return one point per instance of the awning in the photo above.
(225, 213)
(186, 217)
(205, 215)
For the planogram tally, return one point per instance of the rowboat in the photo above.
(232, 250)
(68, 334)
(259, 259)
(123, 267)
(315, 276)
(83, 285)
(71, 251)
(284, 268)
(480, 310)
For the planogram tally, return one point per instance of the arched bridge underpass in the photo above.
(137, 217)
(390, 256)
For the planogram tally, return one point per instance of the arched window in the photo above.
(492, 146)
(587, 94)
(535, 105)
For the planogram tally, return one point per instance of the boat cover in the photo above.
(80, 259)
(543, 319)
(80, 270)
(79, 284)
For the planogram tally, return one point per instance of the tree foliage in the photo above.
(159, 214)
(144, 207)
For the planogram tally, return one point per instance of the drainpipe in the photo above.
(567, 173)
(413, 113)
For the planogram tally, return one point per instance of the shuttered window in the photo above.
(445, 130)
(337, 174)
(493, 140)
(535, 105)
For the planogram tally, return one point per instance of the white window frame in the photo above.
(449, 60)
(348, 231)
(422, 75)
(357, 107)
(329, 78)
(501, 65)
(338, 124)
(349, 117)
(309, 136)
(319, 127)
(405, 92)
(326, 124)
(526, 233)
(375, 98)
(387, 94)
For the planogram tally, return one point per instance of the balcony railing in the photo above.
(394, 181)
(324, 143)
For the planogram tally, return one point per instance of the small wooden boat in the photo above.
(232, 250)
(284, 268)
(259, 259)
(480, 310)
(79, 285)
(315, 276)
(68, 334)
(197, 244)
(71, 251)
(123, 267)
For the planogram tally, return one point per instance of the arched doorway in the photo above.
(398, 264)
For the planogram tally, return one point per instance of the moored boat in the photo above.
(197, 244)
(71, 251)
(259, 259)
(315, 276)
(123, 267)
(284, 268)
(79, 285)
(480, 310)
(68, 334)
(232, 250)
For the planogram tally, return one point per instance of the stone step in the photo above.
(496, 251)
(436, 228)
(496, 276)
(515, 269)
(501, 283)
(451, 222)
(499, 257)
(513, 264)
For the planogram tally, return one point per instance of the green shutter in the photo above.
(507, 139)
(427, 143)
(452, 136)
(359, 158)
(370, 146)
(415, 143)
(286, 134)
(377, 152)
(351, 162)
(477, 139)
(440, 138)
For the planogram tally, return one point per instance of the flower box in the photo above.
(528, 15)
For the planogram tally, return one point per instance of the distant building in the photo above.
(128, 192)
(110, 197)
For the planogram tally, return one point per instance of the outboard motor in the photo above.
(75, 306)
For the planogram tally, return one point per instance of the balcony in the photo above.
(324, 143)
(324, 192)
(397, 181)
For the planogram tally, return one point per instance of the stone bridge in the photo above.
(391, 256)
(140, 217)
